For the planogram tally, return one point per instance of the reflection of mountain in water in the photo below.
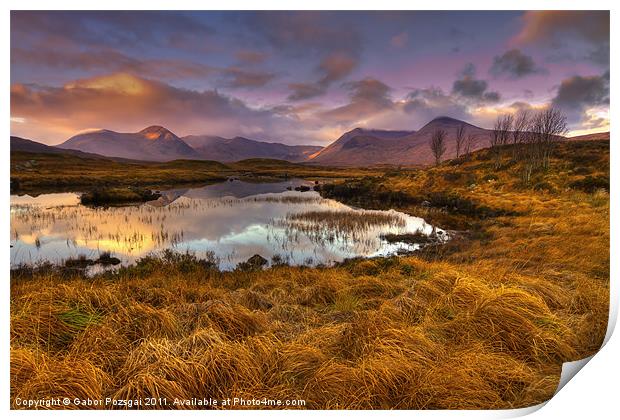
(232, 188)
(168, 197)
(232, 221)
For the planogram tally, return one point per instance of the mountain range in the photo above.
(358, 147)
(157, 143)
(239, 148)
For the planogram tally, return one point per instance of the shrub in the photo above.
(591, 184)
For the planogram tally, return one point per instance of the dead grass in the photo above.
(486, 325)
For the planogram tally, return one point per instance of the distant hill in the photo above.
(19, 144)
(154, 143)
(358, 147)
(157, 143)
(590, 137)
(362, 147)
(239, 148)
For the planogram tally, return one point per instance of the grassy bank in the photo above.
(41, 172)
(483, 322)
(116, 196)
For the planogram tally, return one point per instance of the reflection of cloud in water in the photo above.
(222, 218)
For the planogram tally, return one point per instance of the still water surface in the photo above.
(231, 221)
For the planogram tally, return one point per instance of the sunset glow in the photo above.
(301, 77)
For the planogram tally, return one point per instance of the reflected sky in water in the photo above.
(232, 220)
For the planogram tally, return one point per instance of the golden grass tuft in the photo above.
(138, 321)
(483, 323)
(60, 378)
(235, 321)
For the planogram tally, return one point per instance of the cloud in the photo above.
(567, 29)
(578, 93)
(333, 67)
(550, 25)
(336, 66)
(125, 102)
(515, 65)
(240, 78)
(472, 89)
(251, 57)
(302, 91)
(368, 97)
(429, 103)
(109, 60)
(306, 32)
(111, 29)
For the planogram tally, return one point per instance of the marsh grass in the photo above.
(484, 326)
(40, 172)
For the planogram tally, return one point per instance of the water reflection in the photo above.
(233, 220)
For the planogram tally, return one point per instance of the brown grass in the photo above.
(486, 323)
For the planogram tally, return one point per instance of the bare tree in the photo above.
(520, 124)
(470, 143)
(438, 144)
(500, 135)
(552, 126)
(495, 140)
(544, 130)
(506, 122)
(460, 139)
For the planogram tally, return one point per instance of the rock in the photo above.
(80, 262)
(108, 260)
(302, 188)
(256, 261)
(425, 203)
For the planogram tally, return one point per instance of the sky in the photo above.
(301, 77)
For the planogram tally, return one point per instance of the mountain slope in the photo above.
(19, 144)
(154, 143)
(361, 147)
(239, 148)
(590, 137)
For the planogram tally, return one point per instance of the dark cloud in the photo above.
(470, 88)
(576, 94)
(110, 60)
(306, 32)
(428, 103)
(111, 28)
(552, 25)
(520, 106)
(303, 91)
(515, 65)
(368, 97)
(599, 55)
(370, 90)
(240, 78)
(334, 67)
(561, 29)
